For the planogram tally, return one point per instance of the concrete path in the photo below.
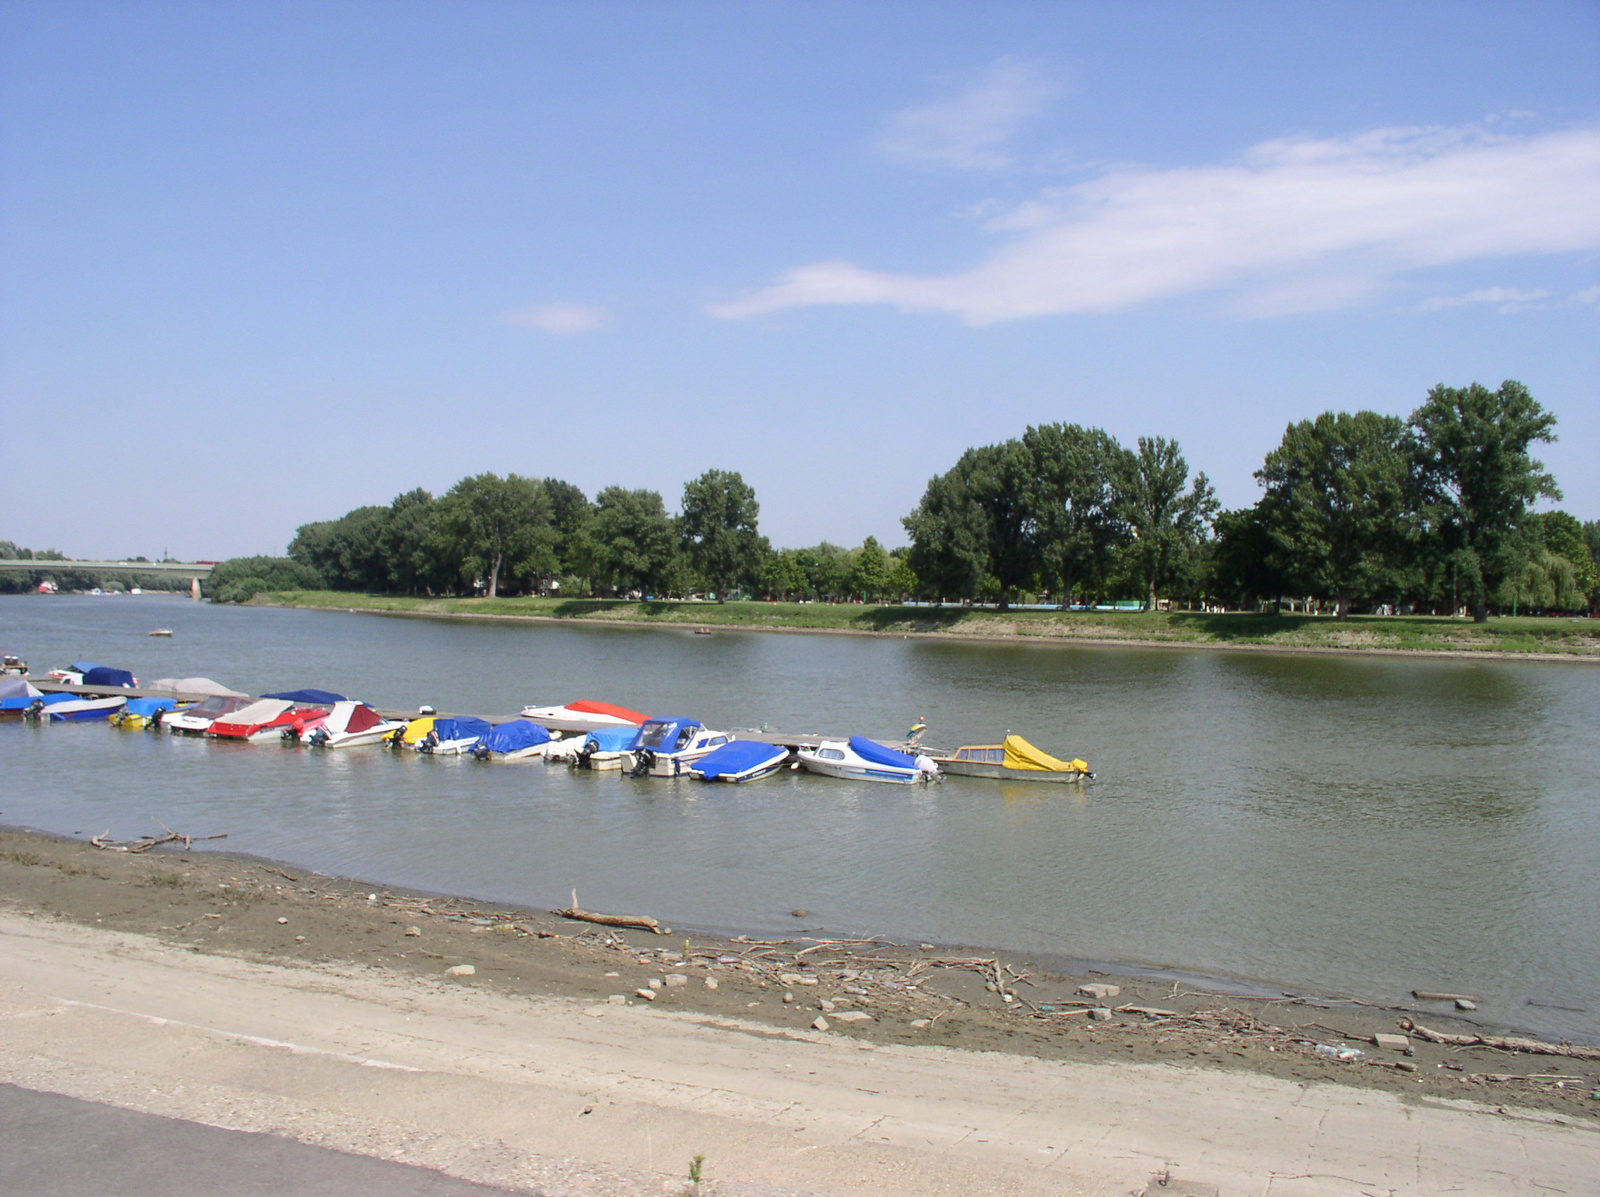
(561, 1097)
(53, 1146)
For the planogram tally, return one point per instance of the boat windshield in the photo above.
(830, 754)
(664, 735)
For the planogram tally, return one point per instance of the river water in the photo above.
(1330, 825)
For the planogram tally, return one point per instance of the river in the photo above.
(1355, 826)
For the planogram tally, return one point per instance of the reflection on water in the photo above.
(1362, 826)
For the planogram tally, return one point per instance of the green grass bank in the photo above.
(1559, 637)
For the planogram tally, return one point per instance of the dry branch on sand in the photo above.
(643, 922)
(144, 843)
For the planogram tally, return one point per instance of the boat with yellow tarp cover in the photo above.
(1015, 759)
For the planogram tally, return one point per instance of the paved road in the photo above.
(53, 1146)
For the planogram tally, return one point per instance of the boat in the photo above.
(32, 706)
(667, 745)
(740, 760)
(190, 687)
(603, 749)
(584, 715)
(1015, 759)
(453, 736)
(197, 720)
(89, 673)
(310, 698)
(81, 710)
(140, 713)
(159, 631)
(263, 719)
(13, 664)
(349, 725)
(515, 740)
(861, 759)
(16, 696)
(412, 733)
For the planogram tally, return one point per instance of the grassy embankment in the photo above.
(1565, 637)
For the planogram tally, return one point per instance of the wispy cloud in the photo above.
(563, 319)
(969, 131)
(1508, 299)
(1591, 295)
(1296, 224)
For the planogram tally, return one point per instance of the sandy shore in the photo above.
(242, 992)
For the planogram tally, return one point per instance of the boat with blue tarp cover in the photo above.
(138, 713)
(861, 759)
(452, 736)
(318, 698)
(603, 748)
(740, 760)
(514, 740)
(668, 744)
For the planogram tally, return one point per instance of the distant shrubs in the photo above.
(240, 579)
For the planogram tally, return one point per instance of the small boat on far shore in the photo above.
(1014, 759)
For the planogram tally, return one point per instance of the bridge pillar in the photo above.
(194, 589)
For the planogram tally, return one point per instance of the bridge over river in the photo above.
(193, 570)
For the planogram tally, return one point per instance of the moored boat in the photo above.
(740, 760)
(81, 710)
(515, 740)
(349, 725)
(603, 749)
(667, 745)
(140, 713)
(453, 736)
(197, 720)
(264, 719)
(584, 715)
(1015, 759)
(861, 759)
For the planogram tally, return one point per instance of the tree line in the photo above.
(1358, 511)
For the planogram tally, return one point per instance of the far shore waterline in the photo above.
(1589, 654)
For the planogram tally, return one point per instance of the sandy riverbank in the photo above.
(273, 932)
(1524, 639)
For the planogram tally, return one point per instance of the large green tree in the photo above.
(407, 543)
(1072, 474)
(499, 526)
(1478, 479)
(718, 527)
(633, 539)
(1336, 504)
(1164, 513)
(1242, 568)
(869, 575)
(572, 515)
(949, 533)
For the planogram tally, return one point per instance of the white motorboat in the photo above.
(603, 749)
(80, 710)
(261, 720)
(861, 759)
(668, 744)
(197, 720)
(584, 715)
(350, 725)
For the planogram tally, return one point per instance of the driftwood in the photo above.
(1428, 995)
(1505, 1043)
(644, 922)
(144, 843)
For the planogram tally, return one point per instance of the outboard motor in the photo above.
(318, 738)
(289, 735)
(156, 716)
(35, 710)
(428, 742)
(480, 751)
(643, 761)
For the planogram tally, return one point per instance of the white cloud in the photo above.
(1293, 225)
(564, 319)
(968, 132)
(1592, 295)
(1509, 299)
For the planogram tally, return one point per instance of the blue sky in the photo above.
(290, 258)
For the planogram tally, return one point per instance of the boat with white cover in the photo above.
(350, 725)
(584, 715)
(81, 710)
(668, 744)
(861, 759)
